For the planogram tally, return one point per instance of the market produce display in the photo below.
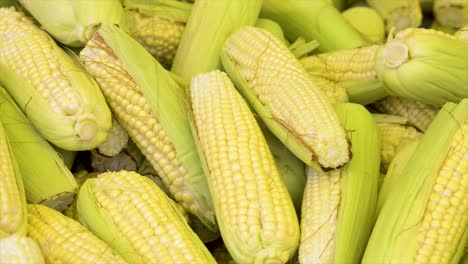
(234, 131)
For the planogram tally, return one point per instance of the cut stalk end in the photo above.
(86, 128)
(395, 53)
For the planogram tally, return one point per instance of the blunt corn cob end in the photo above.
(134, 216)
(72, 22)
(338, 208)
(64, 240)
(452, 13)
(254, 211)
(424, 219)
(285, 97)
(50, 86)
(152, 108)
(19, 249)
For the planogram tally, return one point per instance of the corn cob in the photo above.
(418, 114)
(453, 13)
(48, 167)
(425, 219)
(61, 100)
(12, 197)
(255, 214)
(72, 22)
(157, 25)
(338, 208)
(116, 140)
(317, 19)
(64, 240)
(395, 134)
(18, 249)
(350, 72)
(299, 115)
(367, 22)
(80, 176)
(138, 220)
(209, 25)
(398, 14)
(151, 106)
(390, 179)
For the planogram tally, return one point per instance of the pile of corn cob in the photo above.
(246, 131)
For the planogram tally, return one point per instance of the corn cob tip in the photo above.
(395, 53)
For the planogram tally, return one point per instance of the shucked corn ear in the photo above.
(45, 176)
(338, 209)
(157, 25)
(133, 215)
(395, 133)
(398, 14)
(418, 114)
(453, 13)
(64, 240)
(12, 197)
(255, 214)
(209, 25)
(283, 95)
(317, 19)
(62, 101)
(424, 220)
(350, 71)
(151, 106)
(19, 249)
(72, 22)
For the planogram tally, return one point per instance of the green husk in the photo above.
(398, 14)
(208, 27)
(67, 156)
(272, 27)
(47, 179)
(167, 101)
(317, 19)
(367, 22)
(425, 65)
(394, 238)
(72, 22)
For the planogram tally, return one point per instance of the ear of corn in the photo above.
(367, 22)
(272, 27)
(12, 197)
(390, 179)
(338, 208)
(283, 95)
(426, 65)
(394, 135)
(417, 113)
(138, 220)
(151, 106)
(398, 14)
(45, 176)
(317, 19)
(353, 71)
(425, 219)
(157, 25)
(255, 214)
(209, 25)
(453, 13)
(62, 101)
(72, 22)
(64, 240)
(18, 249)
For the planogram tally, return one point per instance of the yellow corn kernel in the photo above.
(285, 97)
(19, 249)
(253, 208)
(64, 240)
